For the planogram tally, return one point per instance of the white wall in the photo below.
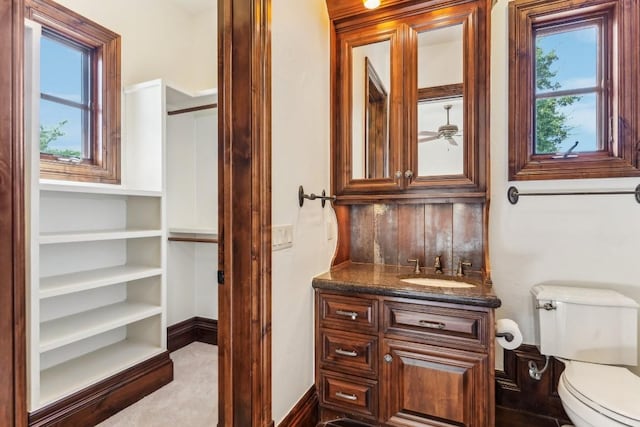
(590, 240)
(160, 39)
(300, 85)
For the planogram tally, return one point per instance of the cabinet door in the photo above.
(433, 386)
(368, 109)
(443, 89)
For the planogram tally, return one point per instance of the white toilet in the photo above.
(590, 330)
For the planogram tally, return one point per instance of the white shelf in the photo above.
(193, 230)
(59, 332)
(94, 189)
(78, 373)
(84, 280)
(96, 235)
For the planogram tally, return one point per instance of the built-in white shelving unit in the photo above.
(97, 259)
(97, 285)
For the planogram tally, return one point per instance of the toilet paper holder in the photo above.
(506, 335)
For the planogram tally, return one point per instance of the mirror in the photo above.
(410, 103)
(370, 93)
(441, 140)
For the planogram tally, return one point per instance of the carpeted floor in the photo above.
(191, 399)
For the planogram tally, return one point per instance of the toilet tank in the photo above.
(590, 325)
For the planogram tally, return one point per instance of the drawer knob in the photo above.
(432, 325)
(388, 358)
(352, 314)
(347, 353)
(346, 396)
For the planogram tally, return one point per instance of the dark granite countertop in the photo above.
(385, 280)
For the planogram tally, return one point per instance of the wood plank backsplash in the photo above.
(391, 234)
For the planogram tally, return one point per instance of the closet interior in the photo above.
(106, 278)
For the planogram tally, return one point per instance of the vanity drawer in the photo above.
(347, 393)
(351, 353)
(463, 328)
(349, 313)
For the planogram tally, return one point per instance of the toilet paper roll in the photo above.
(508, 325)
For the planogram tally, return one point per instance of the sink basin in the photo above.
(437, 283)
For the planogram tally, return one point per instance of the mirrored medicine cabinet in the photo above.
(410, 102)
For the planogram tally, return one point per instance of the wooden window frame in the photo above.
(103, 163)
(619, 157)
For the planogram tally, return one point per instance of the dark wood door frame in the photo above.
(245, 206)
(13, 394)
(244, 135)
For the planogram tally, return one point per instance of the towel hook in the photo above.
(323, 197)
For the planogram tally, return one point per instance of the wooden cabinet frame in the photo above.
(345, 43)
(414, 375)
(396, 20)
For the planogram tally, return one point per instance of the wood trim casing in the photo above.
(244, 159)
(342, 9)
(196, 329)
(305, 411)
(103, 399)
(104, 166)
(13, 384)
(620, 161)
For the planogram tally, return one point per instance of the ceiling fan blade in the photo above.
(452, 141)
(428, 138)
(428, 132)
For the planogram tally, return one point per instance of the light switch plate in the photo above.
(281, 237)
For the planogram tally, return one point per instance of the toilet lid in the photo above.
(611, 390)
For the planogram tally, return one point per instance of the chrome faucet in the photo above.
(437, 264)
(461, 265)
(416, 270)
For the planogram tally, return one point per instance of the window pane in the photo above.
(567, 59)
(563, 120)
(62, 70)
(61, 129)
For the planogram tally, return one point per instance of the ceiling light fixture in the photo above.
(371, 4)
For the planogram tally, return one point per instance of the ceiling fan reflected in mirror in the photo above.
(446, 131)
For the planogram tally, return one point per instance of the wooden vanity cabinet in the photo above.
(415, 363)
